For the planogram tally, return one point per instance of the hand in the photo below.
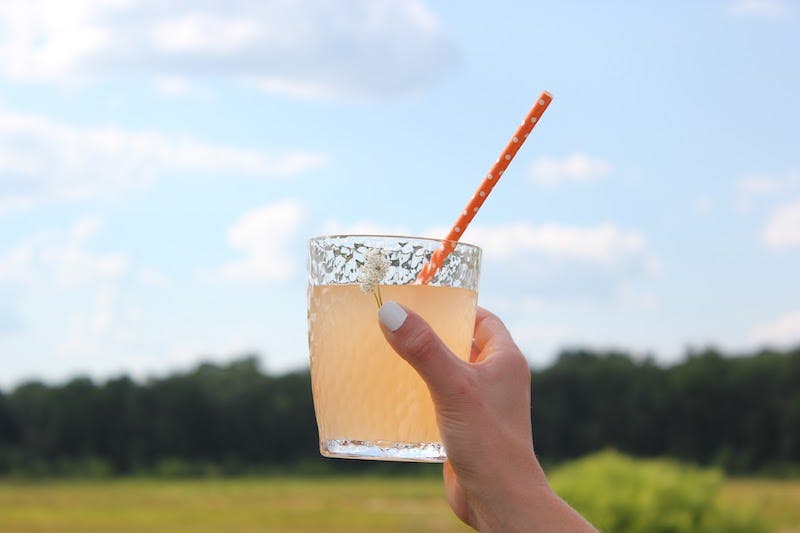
(492, 478)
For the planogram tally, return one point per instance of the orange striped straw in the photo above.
(429, 269)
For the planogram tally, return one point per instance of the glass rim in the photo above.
(456, 244)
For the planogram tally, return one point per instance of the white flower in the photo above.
(375, 267)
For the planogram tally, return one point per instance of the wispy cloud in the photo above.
(604, 244)
(577, 167)
(62, 259)
(631, 296)
(748, 191)
(764, 9)
(152, 277)
(358, 48)
(45, 160)
(16, 264)
(102, 336)
(783, 331)
(205, 33)
(782, 229)
(703, 205)
(65, 265)
(559, 262)
(261, 237)
(172, 85)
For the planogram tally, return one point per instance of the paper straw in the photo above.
(475, 203)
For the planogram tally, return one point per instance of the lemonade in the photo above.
(363, 391)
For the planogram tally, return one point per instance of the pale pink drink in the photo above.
(369, 403)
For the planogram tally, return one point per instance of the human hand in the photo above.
(492, 478)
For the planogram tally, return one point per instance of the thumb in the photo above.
(416, 342)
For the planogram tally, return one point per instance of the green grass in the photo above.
(284, 504)
(777, 500)
(272, 504)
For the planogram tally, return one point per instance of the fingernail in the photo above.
(392, 315)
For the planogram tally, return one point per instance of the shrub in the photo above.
(621, 494)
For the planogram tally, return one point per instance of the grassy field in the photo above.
(777, 500)
(274, 504)
(282, 504)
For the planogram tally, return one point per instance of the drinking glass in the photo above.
(370, 403)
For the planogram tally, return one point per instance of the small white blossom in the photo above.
(374, 270)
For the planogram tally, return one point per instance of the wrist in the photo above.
(524, 501)
(513, 490)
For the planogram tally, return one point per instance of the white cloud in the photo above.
(578, 167)
(74, 266)
(358, 48)
(603, 244)
(151, 277)
(104, 310)
(758, 190)
(766, 9)
(64, 265)
(205, 33)
(756, 185)
(88, 289)
(784, 331)
(783, 226)
(703, 205)
(171, 85)
(557, 262)
(16, 264)
(749, 190)
(62, 259)
(631, 296)
(86, 227)
(43, 160)
(262, 237)
(100, 331)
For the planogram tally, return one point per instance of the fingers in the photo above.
(414, 340)
(489, 328)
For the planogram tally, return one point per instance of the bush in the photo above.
(620, 494)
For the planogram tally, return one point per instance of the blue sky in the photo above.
(162, 167)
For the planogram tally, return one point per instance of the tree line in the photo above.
(741, 413)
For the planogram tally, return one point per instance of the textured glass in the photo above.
(369, 403)
(337, 259)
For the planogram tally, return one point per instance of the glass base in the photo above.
(417, 452)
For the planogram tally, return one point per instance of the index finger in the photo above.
(489, 328)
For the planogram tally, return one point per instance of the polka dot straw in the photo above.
(511, 149)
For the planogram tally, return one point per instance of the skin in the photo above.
(492, 478)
